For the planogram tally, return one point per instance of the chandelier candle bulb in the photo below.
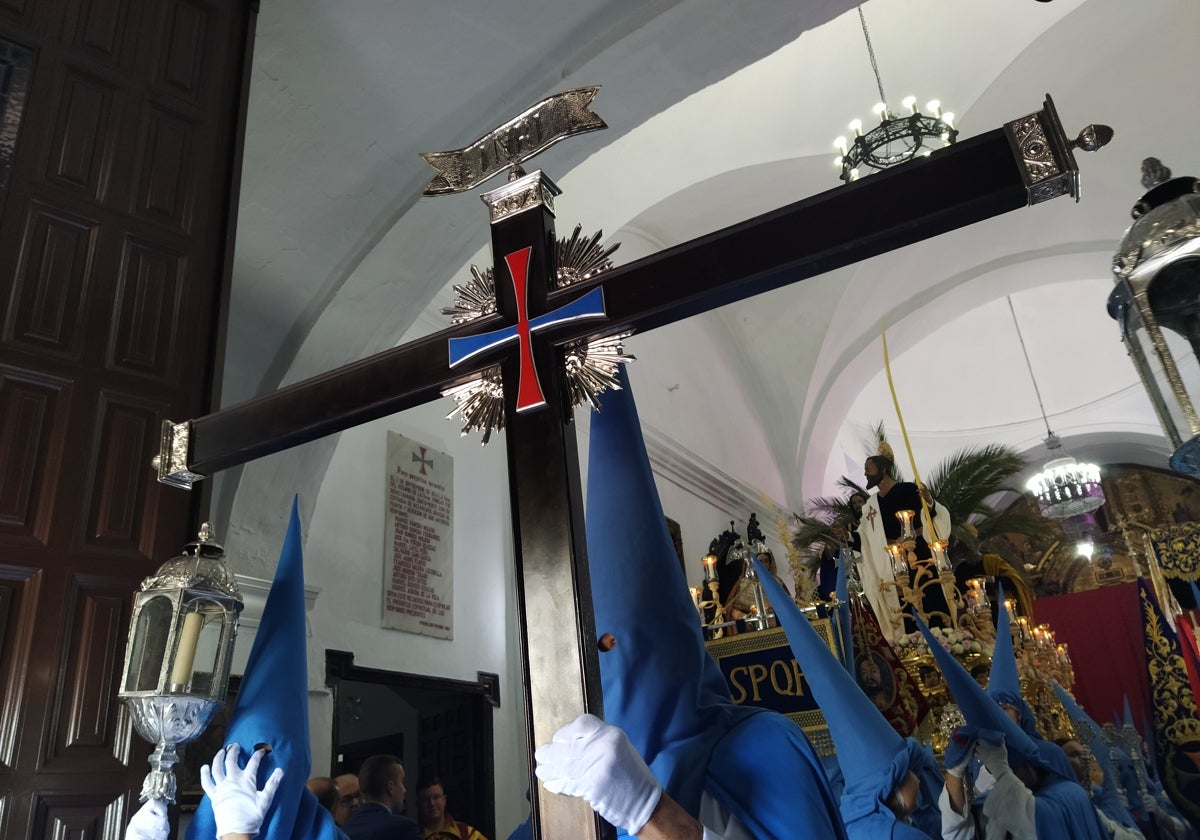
(856, 127)
(934, 106)
(910, 102)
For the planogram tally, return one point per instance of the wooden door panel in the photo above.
(102, 29)
(149, 306)
(86, 733)
(187, 30)
(20, 591)
(33, 412)
(85, 134)
(118, 141)
(54, 266)
(119, 484)
(77, 816)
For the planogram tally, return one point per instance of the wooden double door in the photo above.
(120, 140)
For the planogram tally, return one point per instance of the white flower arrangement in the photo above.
(958, 642)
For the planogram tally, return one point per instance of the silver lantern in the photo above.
(1157, 304)
(177, 659)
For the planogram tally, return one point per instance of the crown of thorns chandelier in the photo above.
(899, 137)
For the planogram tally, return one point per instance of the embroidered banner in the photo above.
(761, 671)
(1176, 721)
(418, 565)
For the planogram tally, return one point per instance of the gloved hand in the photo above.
(959, 751)
(1150, 804)
(992, 752)
(590, 759)
(150, 822)
(238, 805)
(1010, 809)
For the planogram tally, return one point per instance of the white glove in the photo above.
(959, 769)
(590, 759)
(239, 807)
(150, 822)
(1010, 809)
(1150, 804)
(994, 758)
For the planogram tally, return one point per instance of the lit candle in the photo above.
(695, 590)
(710, 562)
(185, 655)
(1023, 627)
(899, 563)
(940, 560)
(1010, 605)
(906, 529)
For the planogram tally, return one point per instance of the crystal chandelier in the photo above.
(1065, 487)
(899, 137)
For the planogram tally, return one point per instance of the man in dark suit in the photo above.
(382, 781)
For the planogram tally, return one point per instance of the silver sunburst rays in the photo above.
(580, 258)
(474, 299)
(590, 366)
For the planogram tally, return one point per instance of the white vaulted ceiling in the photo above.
(718, 111)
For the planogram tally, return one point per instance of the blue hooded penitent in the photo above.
(660, 684)
(272, 708)
(1063, 807)
(873, 756)
(1106, 797)
(1004, 686)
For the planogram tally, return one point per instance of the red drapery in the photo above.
(1103, 628)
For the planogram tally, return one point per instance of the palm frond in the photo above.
(964, 481)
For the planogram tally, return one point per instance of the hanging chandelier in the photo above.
(1065, 487)
(899, 137)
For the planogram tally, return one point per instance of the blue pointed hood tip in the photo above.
(1076, 713)
(872, 755)
(272, 706)
(977, 707)
(660, 685)
(1004, 682)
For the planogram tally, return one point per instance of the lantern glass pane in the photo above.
(149, 645)
(1185, 360)
(1162, 383)
(208, 649)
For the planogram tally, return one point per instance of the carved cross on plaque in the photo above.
(1027, 161)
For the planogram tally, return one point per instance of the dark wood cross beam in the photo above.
(1027, 161)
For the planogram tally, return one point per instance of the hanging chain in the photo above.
(1029, 365)
(871, 53)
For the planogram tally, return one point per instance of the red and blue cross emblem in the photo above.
(529, 391)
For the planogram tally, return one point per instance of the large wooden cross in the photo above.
(1027, 161)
